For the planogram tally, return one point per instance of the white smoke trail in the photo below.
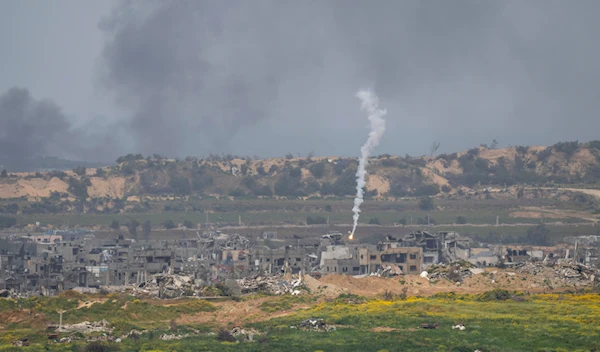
(370, 104)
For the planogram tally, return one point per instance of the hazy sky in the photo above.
(270, 77)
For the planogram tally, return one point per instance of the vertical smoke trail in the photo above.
(370, 104)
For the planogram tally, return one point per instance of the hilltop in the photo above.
(389, 176)
(134, 176)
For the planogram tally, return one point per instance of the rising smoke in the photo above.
(32, 128)
(196, 77)
(370, 104)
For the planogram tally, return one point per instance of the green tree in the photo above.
(316, 220)
(169, 224)
(265, 191)
(147, 228)
(426, 203)
(538, 235)
(80, 170)
(189, 224)
(180, 185)
(317, 169)
(3, 174)
(115, 225)
(12, 208)
(374, 221)
(237, 192)
(461, 220)
(78, 188)
(133, 227)
(7, 221)
(296, 172)
(427, 190)
(100, 172)
(260, 169)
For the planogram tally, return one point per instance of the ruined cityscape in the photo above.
(52, 261)
(193, 175)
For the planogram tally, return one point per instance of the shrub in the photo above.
(78, 188)
(7, 221)
(225, 336)
(521, 149)
(180, 185)
(427, 190)
(317, 169)
(569, 148)
(594, 144)
(169, 224)
(98, 346)
(426, 203)
(265, 191)
(374, 221)
(461, 220)
(237, 192)
(316, 220)
(495, 295)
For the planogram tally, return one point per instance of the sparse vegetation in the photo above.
(169, 224)
(493, 320)
(7, 221)
(426, 203)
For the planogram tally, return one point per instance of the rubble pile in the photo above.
(275, 285)
(429, 326)
(244, 334)
(571, 273)
(391, 270)
(314, 324)
(86, 327)
(4, 293)
(167, 337)
(452, 272)
(21, 343)
(168, 286)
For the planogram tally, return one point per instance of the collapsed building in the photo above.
(52, 262)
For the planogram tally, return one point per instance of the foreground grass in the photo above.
(496, 321)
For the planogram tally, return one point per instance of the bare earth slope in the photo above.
(388, 176)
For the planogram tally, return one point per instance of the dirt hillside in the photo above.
(565, 163)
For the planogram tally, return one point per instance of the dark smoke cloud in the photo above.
(32, 128)
(240, 75)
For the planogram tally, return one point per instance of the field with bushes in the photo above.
(494, 321)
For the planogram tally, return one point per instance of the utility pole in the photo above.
(60, 319)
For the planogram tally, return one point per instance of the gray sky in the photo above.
(270, 77)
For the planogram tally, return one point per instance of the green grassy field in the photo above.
(494, 321)
(277, 212)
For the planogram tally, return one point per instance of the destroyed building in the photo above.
(407, 259)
